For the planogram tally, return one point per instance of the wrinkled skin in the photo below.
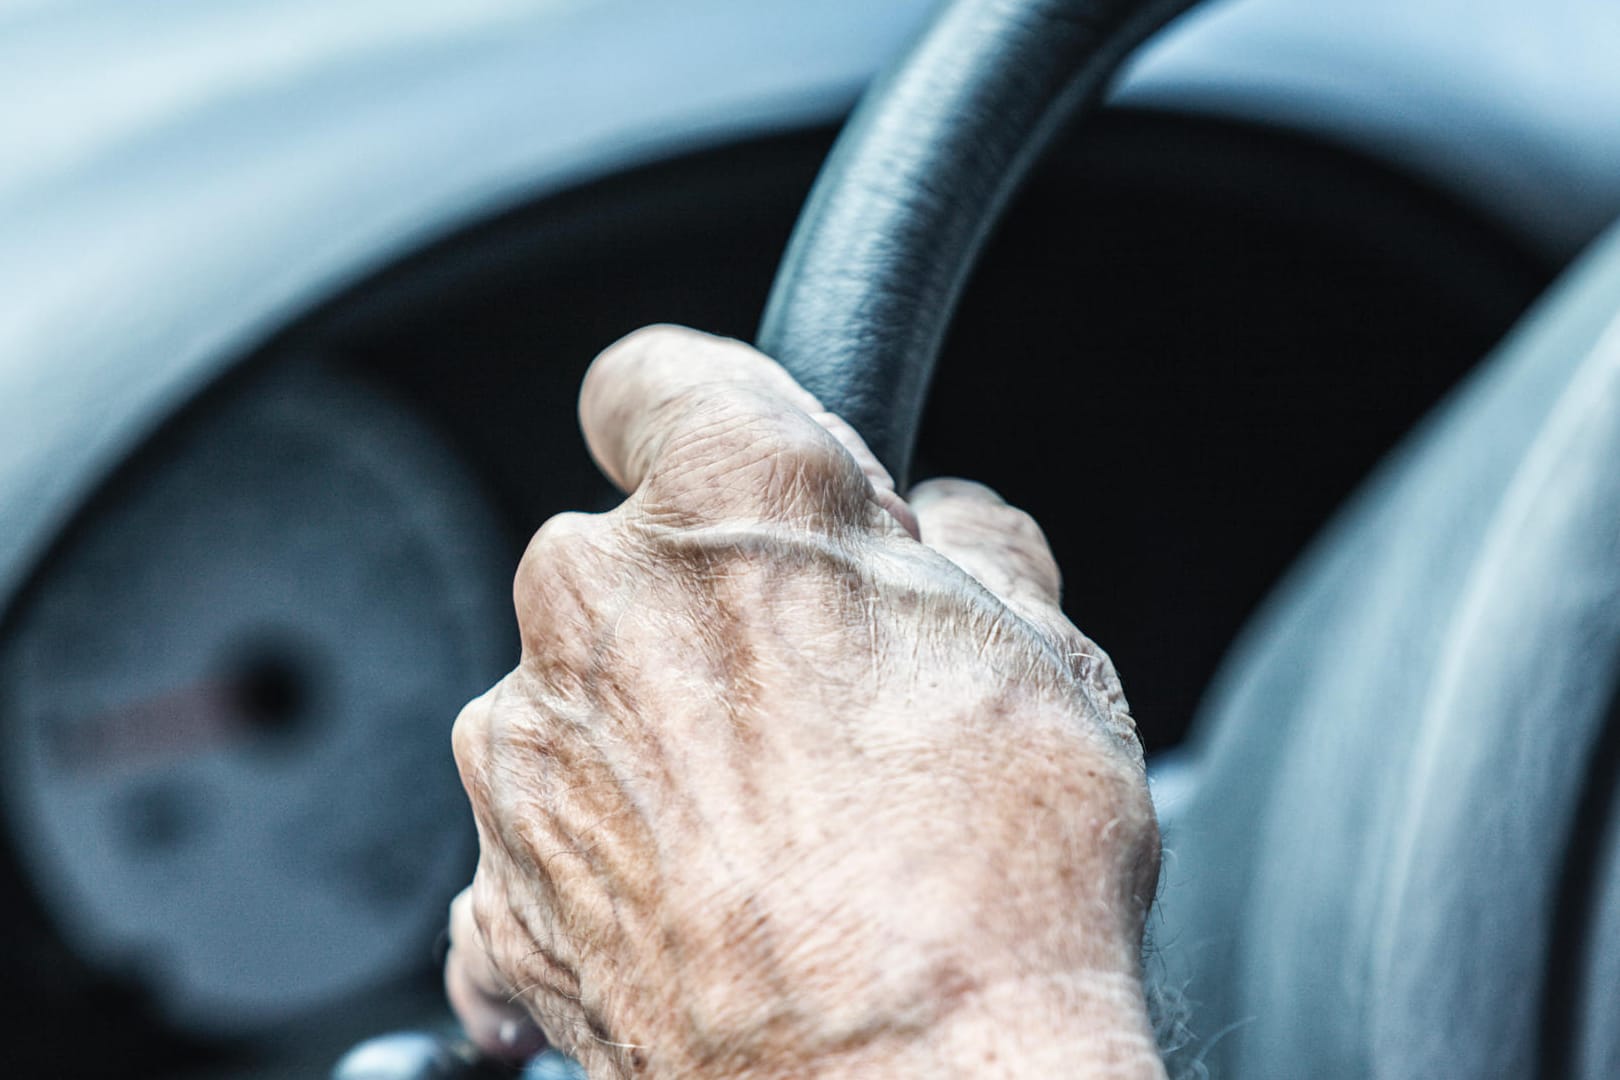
(795, 778)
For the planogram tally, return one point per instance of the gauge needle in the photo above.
(175, 723)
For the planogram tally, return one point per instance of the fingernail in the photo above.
(520, 1037)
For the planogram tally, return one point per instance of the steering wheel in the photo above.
(1403, 793)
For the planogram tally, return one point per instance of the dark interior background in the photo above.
(1186, 346)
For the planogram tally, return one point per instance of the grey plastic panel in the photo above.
(1513, 105)
(178, 182)
(1365, 882)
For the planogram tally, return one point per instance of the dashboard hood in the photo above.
(181, 182)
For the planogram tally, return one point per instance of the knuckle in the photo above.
(549, 562)
(798, 459)
(744, 451)
(462, 931)
(485, 909)
(469, 736)
(719, 424)
(815, 451)
(1021, 529)
(657, 360)
(639, 347)
(1007, 528)
(659, 338)
(950, 491)
(974, 509)
(678, 348)
(557, 538)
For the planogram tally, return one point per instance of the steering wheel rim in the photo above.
(915, 184)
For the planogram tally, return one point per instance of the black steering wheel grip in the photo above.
(916, 183)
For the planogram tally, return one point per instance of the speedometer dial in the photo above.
(226, 704)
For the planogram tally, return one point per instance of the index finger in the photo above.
(726, 428)
(497, 1025)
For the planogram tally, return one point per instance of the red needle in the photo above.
(174, 723)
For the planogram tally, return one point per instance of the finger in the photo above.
(999, 545)
(877, 476)
(499, 1027)
(1006, 551)
(728, 429)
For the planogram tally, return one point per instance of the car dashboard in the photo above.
(297, 303)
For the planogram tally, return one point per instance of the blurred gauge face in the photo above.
(226, 707)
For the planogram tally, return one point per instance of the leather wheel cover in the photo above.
(916, 182)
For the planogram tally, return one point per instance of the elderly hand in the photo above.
(794, 778)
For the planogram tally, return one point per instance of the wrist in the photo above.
(1079, 1025)
(1090, 1024)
